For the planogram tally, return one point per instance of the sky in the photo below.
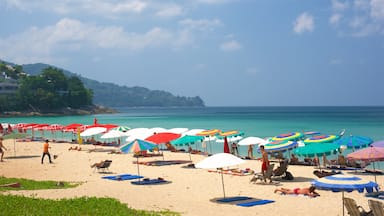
(228, 52)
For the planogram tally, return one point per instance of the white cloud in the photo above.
(303, 23)
(68, 35)
(231, 45)
(335, 19)
(100, 7)
(170, 11)
(377, 9)
(339, 6)
(201, 24)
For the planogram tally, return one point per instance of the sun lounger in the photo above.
(122, 177)
(150, 182)
(353, 209)
(376, 207)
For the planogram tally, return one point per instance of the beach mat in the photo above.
(122, 177)
(163, 162)
(233, 199)
(150, 182)
(253, 203)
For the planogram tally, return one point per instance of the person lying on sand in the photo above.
(304, 191)
(78, 148)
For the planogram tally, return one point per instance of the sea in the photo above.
(252, 121)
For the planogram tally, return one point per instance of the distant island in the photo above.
(41, 89)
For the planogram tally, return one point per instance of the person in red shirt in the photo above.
(46, 152)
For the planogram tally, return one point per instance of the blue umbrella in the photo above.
(341, 183)
(354, 142)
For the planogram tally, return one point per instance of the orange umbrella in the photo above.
(209, 132)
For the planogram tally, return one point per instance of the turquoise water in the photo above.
(253, 121)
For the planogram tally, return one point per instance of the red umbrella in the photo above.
(226, 146)
(72, 127)
(163, 137)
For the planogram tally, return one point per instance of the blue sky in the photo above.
(228, 52)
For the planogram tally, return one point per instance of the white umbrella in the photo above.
(230, 139)
(93, 131)
(193, 132)
(158, 130)
(219, 160)
(113, 134)
(177, 130)
(136, 131)
(141, 136)
(252, 141)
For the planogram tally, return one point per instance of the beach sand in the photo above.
(190, 191)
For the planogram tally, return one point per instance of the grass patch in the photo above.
(27, 184)
(20, 205)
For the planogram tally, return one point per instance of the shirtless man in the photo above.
(1, 149)
(305, 191)
(264, 161)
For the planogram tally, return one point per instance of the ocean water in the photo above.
(253, 121)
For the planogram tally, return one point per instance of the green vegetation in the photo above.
(26, 184)
(49, 91)
(112, 95)
(21, 205)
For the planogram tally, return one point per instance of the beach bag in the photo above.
(288, 176)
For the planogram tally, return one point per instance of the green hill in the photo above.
(112, 95)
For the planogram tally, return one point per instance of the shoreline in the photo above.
(190, 191)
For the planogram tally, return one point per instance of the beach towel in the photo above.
(232, 199)
(253, 203)
(150, 182)
(122, 177)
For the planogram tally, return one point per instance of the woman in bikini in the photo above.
(304, 191)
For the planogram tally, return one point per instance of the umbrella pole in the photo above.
(374, 171)
(14, 147)
(222, 182)
(138, 170)
(342, 196)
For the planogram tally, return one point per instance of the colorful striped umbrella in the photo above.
(341, 183)
(354, 142)
(288, 136)
(137, 146)
(321, 139)
(279, 146)
(211, 132)
(122, 128)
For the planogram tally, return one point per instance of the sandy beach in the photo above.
(190, 191)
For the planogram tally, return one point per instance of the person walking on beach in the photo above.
(235, 151)
(250, 151)
(46, 152)
(1, 149)
(264, 160)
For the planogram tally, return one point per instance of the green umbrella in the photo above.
(187, 140)
(317, 149)
(122, 128)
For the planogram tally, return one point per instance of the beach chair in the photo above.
(376, 207)
(268, 175)
(281, 170)
(103, 167)
(355, 210)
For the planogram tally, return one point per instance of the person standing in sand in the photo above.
(250, 151)
(264, 160)
(46, 152)
(1, 149)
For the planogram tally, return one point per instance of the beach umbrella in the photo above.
(378, 143)
(279, 146)
(193, 131)
(135, 131)
(178, 130)
(72, 127)
(142, 135)
(163, 137)
(370, 154)
(354, 142)
(93, 131)
(187, 140)
(122, 128)
(226, 146)
(137, 146)
(231, 133)
(342, 183)
(252, 141)
(317, 149)
(157, 130)
(219, 161)
(321, 139)
(288, 136)
(211, 132)
(113, 134)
